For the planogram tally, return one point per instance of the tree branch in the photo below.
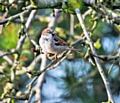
(106, 83)
(6, 53)
(106, 58)
(15, 16)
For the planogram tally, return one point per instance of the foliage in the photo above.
(70, 5)
(8, 39)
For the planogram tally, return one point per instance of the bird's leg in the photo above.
(55, 56)
(46, 54)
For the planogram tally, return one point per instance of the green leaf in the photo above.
(97, 44)
(70, 6)
(107, 101)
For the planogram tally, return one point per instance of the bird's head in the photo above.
(48, 32)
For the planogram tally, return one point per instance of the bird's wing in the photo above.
(59, 41)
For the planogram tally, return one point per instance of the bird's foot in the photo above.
(55, 56)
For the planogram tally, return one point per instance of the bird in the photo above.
(50, 43)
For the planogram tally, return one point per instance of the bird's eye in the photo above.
(49, 31)
(53, 34)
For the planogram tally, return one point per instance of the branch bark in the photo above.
(15, 16)
(40, 80)
(97, 61)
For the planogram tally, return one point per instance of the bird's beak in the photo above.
(54, 32)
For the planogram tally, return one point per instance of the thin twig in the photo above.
(105, 13)
(7, 53)
(51, 65)
(72, 24)
(55, 65)
(17, 98)
(17, 57)
(37, 88)
(6, 58)
(31, 16)
(106, 58)
(15, 16)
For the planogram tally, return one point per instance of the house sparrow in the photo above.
(52, 44)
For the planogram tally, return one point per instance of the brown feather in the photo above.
(59, 41)
(47, 30)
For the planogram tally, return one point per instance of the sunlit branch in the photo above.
(106, 58)
(51, 65)
(86, 13)
(15, 16)
(31, 67)
(37, 88)
(17, 56)
(110, 16)
(6, 58)
(72, 24)
(17, 98)
(97, 61)
(111, 67)
(7, 53)
(24, 28)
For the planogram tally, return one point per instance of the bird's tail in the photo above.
(73, 49)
